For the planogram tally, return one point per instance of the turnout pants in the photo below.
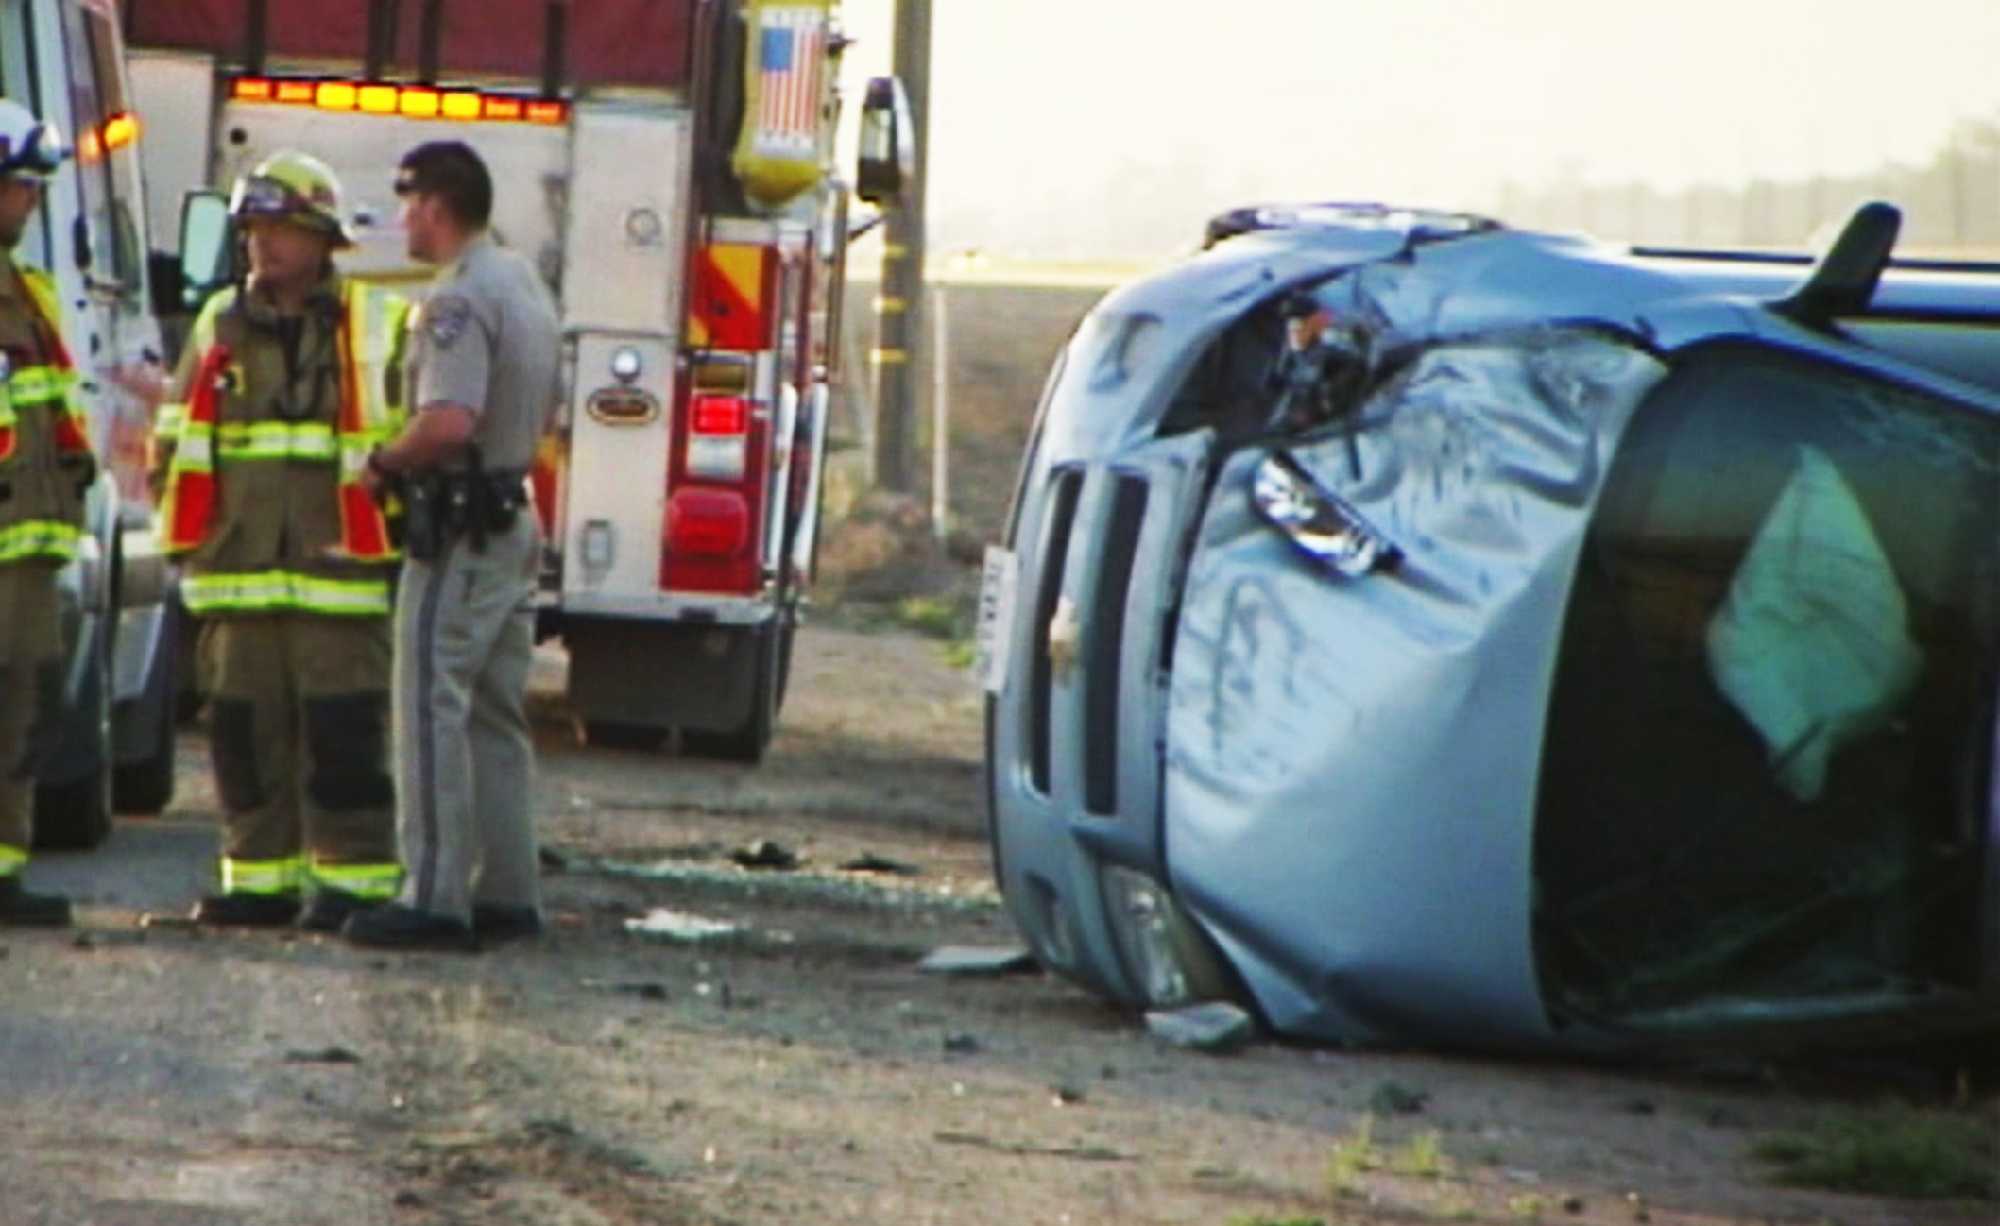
(299, 705)
(464, 759)
(30, 692)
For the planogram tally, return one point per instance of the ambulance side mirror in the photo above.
(207, 252)
(888, 155)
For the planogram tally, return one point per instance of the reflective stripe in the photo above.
(12, 860)
(39, 384)
(196, 450)
(368, 339)
(278, 589)
(375, 881)
(39, 538)
(276, 440)
(262, 876)
(168, 421)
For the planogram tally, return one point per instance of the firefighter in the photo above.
(286, 384)
(45, 468)
(483, 361)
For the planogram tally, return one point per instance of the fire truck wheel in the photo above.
(746, 742)
(609, 734)
(786, 634)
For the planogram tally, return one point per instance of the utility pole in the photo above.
(899, 310)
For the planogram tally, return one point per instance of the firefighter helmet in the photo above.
(29, 147)
(296, 188)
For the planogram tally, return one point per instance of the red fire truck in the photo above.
(668, 164)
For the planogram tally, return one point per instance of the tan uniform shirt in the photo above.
(488, 338)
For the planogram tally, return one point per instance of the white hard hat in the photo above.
(29, 147)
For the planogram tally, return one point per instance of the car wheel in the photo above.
(147, 785)
(73, 816)
(76, 814)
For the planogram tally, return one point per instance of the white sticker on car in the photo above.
(993, 635)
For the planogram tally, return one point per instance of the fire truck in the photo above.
(668, 165)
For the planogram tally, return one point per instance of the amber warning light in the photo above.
(411, 101)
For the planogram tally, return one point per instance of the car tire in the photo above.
(76, 814)
(146, 786)
(73, 816)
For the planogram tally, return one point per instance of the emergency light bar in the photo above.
(386, 98)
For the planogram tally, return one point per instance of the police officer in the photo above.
(285, 387)
(45, 467)
(483, 362)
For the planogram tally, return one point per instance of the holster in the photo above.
(441, 507)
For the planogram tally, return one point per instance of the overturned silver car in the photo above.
(1603, 653)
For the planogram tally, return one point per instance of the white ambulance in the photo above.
(64, 60)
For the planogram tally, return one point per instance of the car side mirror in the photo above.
(888, 155)
(207, 246)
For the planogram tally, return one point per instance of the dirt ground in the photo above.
(793, 1064)
(798, 1068)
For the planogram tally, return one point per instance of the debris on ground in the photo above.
(97, 937)
(765, 853)
(1087, 1153)
(331, 1054)
(1395, 1098)
(869, 862)
(1214, 1026)
(977, 960)
(644, 989)
(664, 924)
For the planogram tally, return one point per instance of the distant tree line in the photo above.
(1951, 202)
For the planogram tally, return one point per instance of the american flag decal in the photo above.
(791, 49)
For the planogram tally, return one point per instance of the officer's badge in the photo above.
(445, 319)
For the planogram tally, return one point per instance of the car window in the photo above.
(1773, 695)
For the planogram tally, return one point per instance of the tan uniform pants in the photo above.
(464, 758)
(30, 690)
(299, 703)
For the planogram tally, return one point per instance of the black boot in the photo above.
(248, 910)
(395, 926)
(494, 923)
(329, 909)
(20, 909)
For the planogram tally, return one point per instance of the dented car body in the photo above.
(1616, 667)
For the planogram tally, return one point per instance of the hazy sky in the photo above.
(1044, 108)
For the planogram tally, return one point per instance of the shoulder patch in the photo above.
(445, 318)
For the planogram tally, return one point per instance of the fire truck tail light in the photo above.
(720, 415)
(718, 442)
(707, 523)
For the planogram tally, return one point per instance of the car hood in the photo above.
(1384, 732)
